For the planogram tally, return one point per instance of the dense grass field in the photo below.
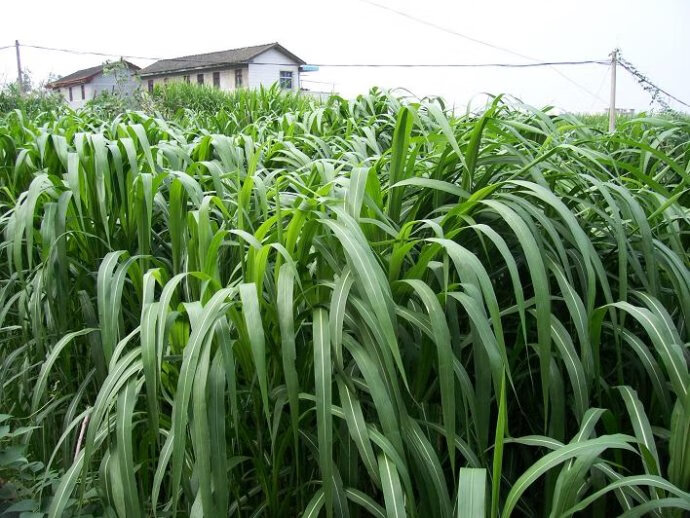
(269, 306)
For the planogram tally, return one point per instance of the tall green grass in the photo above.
(222, 111)
(359, 308)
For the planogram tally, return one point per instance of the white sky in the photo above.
(653, 35)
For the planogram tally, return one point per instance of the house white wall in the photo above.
(227, 78)
(98, 84)
(128, 83)
(263, 71)
(77, 101)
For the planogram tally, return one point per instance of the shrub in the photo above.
(31, 104)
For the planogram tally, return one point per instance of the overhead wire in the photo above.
(201, 62)
(478, 41)
(534, 64)
(84, 52)
(463, 65)
(446, 29)
(195, 59)
(601, 85)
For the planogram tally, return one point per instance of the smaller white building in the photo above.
(83, 85)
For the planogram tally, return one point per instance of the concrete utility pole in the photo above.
(20, 77)
(612, 100)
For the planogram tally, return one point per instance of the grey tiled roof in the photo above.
(213, 59)
(84, 75)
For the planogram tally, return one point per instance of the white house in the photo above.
(83, 85)
(247, 67)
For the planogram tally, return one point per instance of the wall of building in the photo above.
(77, 101)
(126, 84)
(98, 84)
(263, 71)
(227, 78)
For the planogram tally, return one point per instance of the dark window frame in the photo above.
(71, 97)
(286, 79)
(200, 79)
(216, 80)
(238, 78)
(150, 86)
(83, 92)
(186, 79)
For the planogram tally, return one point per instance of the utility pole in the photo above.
(612, 99)
(20, 77)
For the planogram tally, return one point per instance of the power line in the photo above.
(197, 62)
(461, 65)
(601, 85)
(478, 41)
(646, 83)
(85, 52)
(551, 64)
(342, 65)
(447, 30)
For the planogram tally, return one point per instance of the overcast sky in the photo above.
(653, 35)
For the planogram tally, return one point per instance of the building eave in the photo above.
(84, 79)
(178, 71)
(285, 51)
(60, 84)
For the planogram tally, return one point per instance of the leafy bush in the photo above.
(31, 103)
(109, 106)
(18, 476)
(351, 308)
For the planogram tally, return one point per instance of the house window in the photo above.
(185, 79)
(200, 79)
(238, 78)
(216, 80)
(70, 94)
(286, 79)
(83, 93)
(165, 80)
(150, 86)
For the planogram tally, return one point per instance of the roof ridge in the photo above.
(83, 74)
(219, 51)
(236, 56)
